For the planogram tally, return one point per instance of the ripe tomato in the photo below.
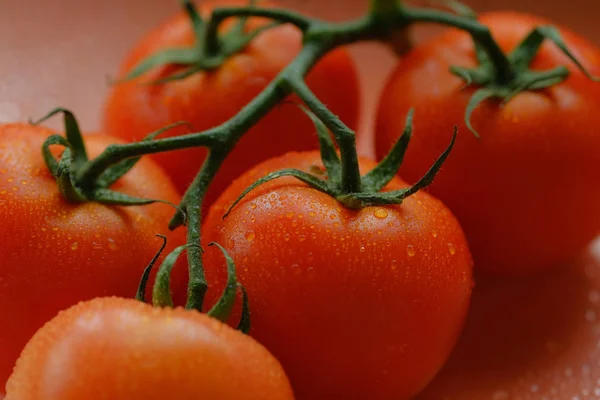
(207, 99)
(539, 343)
(121, 349)
(354, 303)
(526, 193)
(55, 253)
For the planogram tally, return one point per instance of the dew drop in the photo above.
(250, 235)
(362, 249)
(286, 237)
(112, 245)
(231, 242)
(24, 182)
(55, 228)
(451, 249)
(301, 238)
(410, 250)
(312, 214)
(380, 213)
(594, 297)
(434, 234)
(74, 246)
(289, 215)
(2, 191)
(569, 372)
(253, 206)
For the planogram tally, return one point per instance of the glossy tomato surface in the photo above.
(54, 253)
(354, 303)
(527, 192)
(207, 99)
(122, 349)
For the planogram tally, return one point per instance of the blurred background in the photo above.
(536, 339)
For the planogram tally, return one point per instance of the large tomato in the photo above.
(53, 253)
(527, 192)
(207, 99)
(354, 303)
(118, 349)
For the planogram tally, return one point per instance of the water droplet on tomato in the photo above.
(434, 234)
(312, 214)
(286, 237)
(74, 246)
(112, 245)
(451, 248)
(380, 213)
(301, 238)
(24, 182)
(253, 206)
(410, 250)
(594, 297)
(250, 235)
(362, 249)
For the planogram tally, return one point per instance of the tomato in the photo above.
(539, 343)
(354, 303)
(207, 99)
(113, 348)
(526, 193)
(54, 253)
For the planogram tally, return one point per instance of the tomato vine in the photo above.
(501, 75)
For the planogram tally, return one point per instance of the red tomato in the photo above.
(54, 253)
(354, 303)
(121, 349)
(527, 192)
(208, 99)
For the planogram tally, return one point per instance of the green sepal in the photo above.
(49, 160)
(310, 180)
(360, 200)
(245, 322)
(386, 170)
(195, 18)
(64, 179)
(161, 293)
(172, 56)
(224, 306)
(141, 292)
(72, 133)
(329, 155)
(478, 97)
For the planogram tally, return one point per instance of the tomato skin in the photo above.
(526, 192)
(355, 304)
(124, 349)
(54, 253)
(208, 99)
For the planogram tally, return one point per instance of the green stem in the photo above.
(480, 33)
(113, 154)
(345, 137)
(382, 7)
(197, 285)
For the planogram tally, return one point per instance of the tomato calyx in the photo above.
(74, 158)
(161, 291)
(522, 77)
(208, 52)
(371, 184)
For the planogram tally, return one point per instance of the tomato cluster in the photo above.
(345, 302)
